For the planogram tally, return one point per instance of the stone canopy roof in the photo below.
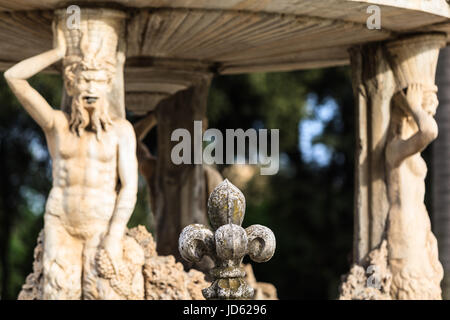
(227, 36)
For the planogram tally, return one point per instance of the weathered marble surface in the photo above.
(413, 252)
(227, 243)
(355, 286)
(94, 167)
(173, 43)
(163, 277)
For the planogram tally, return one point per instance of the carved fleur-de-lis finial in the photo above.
(227, 243)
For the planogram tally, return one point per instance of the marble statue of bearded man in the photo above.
(94, 170)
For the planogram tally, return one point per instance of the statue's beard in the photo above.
(96, 121)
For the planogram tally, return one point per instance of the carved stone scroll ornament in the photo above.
(227, 243)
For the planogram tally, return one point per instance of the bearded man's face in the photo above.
(92, 88)
(89, 92)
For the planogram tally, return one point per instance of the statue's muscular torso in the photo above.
(84, 176)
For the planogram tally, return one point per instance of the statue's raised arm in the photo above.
(31, 100)
(419, 103)
(412, 247)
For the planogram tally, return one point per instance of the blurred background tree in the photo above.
(308, 204)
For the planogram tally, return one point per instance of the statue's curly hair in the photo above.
(72, 66)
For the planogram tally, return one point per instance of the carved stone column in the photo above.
(116, 97)
(373, 86)
(177, 93)
(396, 102)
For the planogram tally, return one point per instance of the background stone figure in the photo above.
(396, 91)
(413, 253)
(147, 167)
(94, 162)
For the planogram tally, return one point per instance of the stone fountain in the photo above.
(162, 57)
